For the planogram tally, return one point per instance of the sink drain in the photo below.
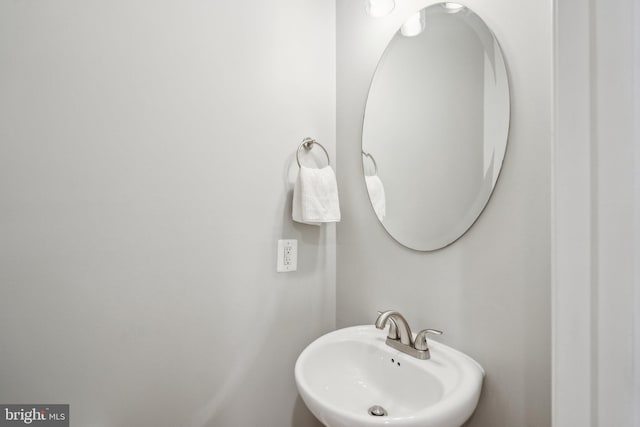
(377, 411)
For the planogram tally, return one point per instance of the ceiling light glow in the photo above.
(380, 8)
(452, 7)
(414, 25)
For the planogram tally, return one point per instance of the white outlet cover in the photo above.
(288, 263)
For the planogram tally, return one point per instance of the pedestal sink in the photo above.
(351, 378)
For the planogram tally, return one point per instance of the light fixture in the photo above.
(380, 8)
(452, 7)
(414, 25)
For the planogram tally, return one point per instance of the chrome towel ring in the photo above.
(307, 144)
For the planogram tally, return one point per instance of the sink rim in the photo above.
(455, 396)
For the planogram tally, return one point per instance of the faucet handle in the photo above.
(421, 338)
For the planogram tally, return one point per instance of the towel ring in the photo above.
(307, 144)
(375, 165)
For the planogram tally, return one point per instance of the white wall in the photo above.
(596, 209)
(146, 150)
(490, 291)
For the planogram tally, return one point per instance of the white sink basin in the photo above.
(344, 373)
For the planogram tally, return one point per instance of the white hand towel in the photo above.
(315, 196)
(296, 209)
(376, 194)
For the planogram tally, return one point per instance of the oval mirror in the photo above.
(435, 127)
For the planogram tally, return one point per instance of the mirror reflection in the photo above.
(435, 126)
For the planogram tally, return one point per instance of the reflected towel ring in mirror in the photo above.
(375, 165)
(307, 144)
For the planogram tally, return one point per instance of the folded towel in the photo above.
(315, 196)
(376, 195)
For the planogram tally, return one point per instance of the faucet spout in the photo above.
(401, 324)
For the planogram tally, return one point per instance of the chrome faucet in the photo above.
(400, 336)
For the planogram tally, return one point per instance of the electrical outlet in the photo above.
(287, 256)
